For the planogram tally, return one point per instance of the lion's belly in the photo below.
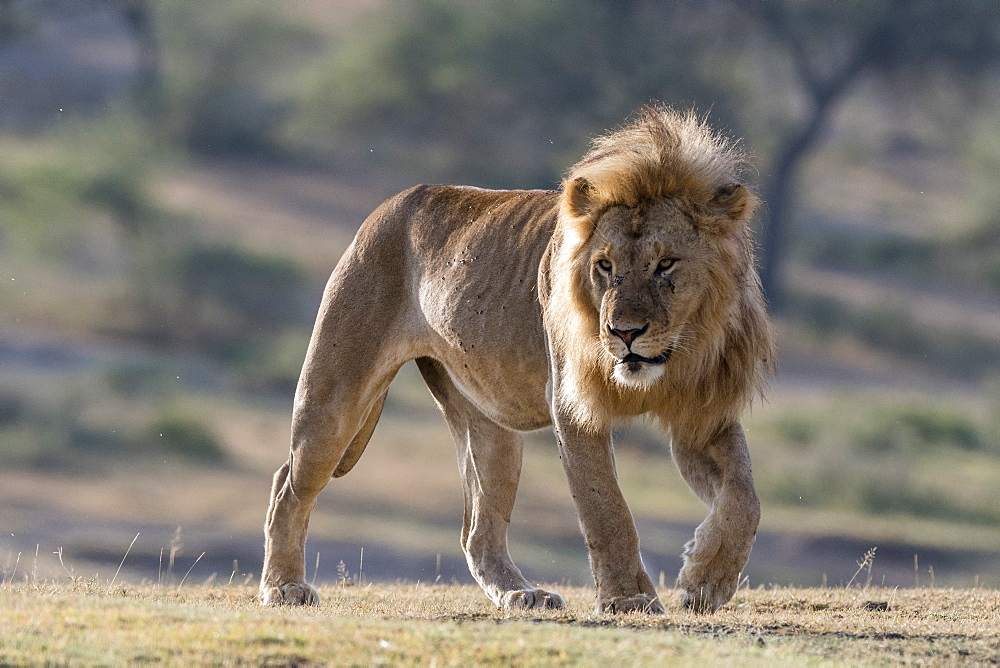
(486, 329)
(509, 389)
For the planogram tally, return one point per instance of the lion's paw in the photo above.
(702, 592)
(292, 593)
(523, 599)
(640, 603)
(709, 577)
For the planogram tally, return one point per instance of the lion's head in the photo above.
(656, 305)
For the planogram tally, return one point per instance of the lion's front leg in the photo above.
(719, 473)
(621, 579)
(489, 460)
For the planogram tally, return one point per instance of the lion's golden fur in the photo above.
(632, 291)
(664, 153)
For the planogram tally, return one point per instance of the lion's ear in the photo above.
(578, 197)
(733, 201)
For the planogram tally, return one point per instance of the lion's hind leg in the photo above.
(489, 460)
(333, 420)
(281, 583)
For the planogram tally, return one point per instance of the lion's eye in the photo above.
(604, 265)
(666, 265)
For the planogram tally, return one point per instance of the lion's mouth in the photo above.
(633, 362)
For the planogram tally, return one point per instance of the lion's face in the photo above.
(646, 268)
(650, 299)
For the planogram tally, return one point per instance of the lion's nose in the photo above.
(628, 335)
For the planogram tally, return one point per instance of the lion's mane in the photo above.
(729, 352)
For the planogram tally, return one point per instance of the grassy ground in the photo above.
(86, 622)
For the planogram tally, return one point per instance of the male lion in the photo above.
(631, 291)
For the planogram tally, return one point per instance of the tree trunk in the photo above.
(778, 198)
(148, 86)
(779, 190)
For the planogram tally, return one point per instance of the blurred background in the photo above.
(178, 178)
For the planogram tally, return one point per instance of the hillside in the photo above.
(158, 290)
(402, 504)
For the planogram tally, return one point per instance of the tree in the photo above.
(833, 47)
(504, 94)
(149, 94)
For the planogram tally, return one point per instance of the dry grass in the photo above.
(405, 624)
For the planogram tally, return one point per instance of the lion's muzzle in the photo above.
(633, 362)
(640, 372)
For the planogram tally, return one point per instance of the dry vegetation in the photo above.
(87, 622)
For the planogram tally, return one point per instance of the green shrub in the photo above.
(39, 437)
(878, 496)
(883, 457)
(936, 424)
(138, 379)
(64, 434)
(183, 435)
(261, 291)
(799, 429)
(228, 72)
(478, 89)
(273, 365)
(894, 330)
(123, 193)
(891, 328)
(111, 160)
(33, 446)
(917, 428)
